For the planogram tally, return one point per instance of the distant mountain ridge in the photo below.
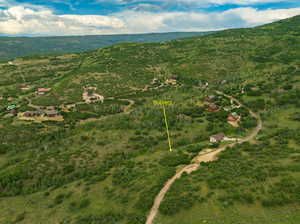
(11, 47)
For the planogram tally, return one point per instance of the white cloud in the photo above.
(6, 3)
(137, 22)
(253, 17)
(223, 2)
(202, 3)
(42, 21)
(18, 20)
(94, 21)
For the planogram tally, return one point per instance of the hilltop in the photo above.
(12, 47)
(82, 141)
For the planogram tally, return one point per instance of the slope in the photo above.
(107, 161)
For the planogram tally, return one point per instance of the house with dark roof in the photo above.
(52, 113)
(213, 108)
(217, 138)
(33, 113)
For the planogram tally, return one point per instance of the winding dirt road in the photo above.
(207, 155)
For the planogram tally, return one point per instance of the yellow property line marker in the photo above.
(163, 103)
(167, 127)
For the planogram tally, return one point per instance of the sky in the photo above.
(91, 17)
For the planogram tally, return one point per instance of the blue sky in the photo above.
(84, 17)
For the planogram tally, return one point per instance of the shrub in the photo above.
(77, 205)
(175, 159)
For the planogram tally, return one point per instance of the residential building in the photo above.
(217, 138)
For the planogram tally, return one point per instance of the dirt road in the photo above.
(207, 155)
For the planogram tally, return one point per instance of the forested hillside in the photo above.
(11, 47)
(82, 141)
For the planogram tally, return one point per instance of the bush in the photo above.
(175, 160)
(136, 219)
(248, 122)
(77, 205)
(20, 217)
(106, 218)
(59, 199)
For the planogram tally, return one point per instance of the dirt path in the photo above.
(208, 155)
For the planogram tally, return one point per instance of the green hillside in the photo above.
(91, 147)
(11, 47)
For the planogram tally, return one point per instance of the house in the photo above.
(217, 138)
(213, 108)
(90, 92)
(10, 99)
(42, 91)
(209, 99)
(172, 80)
(52, 113)
(33, 113)
(90, 96)
(24, 87)
(154, 81)
(233, 117)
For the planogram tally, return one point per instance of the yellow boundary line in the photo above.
(167, 127)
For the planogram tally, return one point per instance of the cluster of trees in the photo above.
(107, 218)
(60, 198)
(147, 195)
(125, 175)
(181, 196)
(175, 159)
(84, 112)
(145, 141)
(291, 97)
(284, 192)
(248, 122)
(37, 173)
(75, 206)
(295, 116)
(257, 105)
(111, 217)
(192, 111)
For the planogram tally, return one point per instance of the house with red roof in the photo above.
(42, 91)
